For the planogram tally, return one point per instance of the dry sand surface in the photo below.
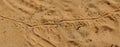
(59, 23)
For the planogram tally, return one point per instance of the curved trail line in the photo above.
(12, 6)
(87, 19)
(16, 21)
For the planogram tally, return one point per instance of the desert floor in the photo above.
(59, 23)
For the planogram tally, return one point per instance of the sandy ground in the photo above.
(59, 23)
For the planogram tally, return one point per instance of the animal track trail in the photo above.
(107, 24)
(48, 34)
(56, 28)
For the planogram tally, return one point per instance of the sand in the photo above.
(59, 23)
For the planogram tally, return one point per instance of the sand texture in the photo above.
(59, 23)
